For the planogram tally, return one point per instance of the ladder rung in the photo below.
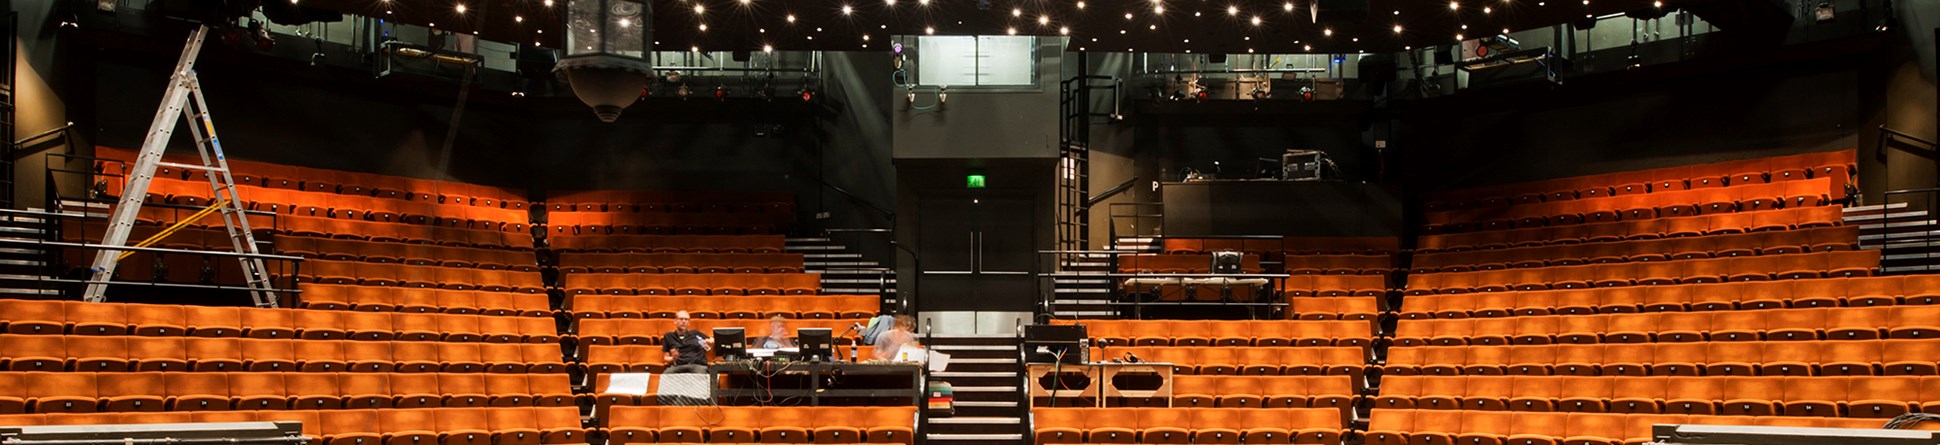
(187, 166)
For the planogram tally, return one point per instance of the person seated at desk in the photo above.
(685, 350)
(777, 337)
(895, 339)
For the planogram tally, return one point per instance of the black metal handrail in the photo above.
(1887, 138)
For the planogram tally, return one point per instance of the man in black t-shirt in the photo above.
(685, 350)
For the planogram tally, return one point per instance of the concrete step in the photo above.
(975, 421)
(831, 256)
(807, 240)
(970, 374)
(857, 291)
(827, 281)
(1081, 281)
(975, 438)
(944, 347)
(1879, 217)
(1076, 302)
(1909, 269)
(810, 248)
(988, 404)
(1876, 208)
(1066, 290)
(984, 389)
(1085, 314)
(834, 264)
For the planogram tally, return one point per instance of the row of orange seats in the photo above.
(610, 223)
(1757, 197)
(1257, 360)
(1187, 425)
(1263, 391)
(423, 426)
(410, 254)
(110, 353)
(1179, 263)
(1740, 358)
(668, 243)
(707, 306)
(1175, 289)
(1834, 323)
(1334, 285)
(389, 274)
(87, 392)
(1717, 224)
(1833, 292)
(607, 359)
(1333, 308)
(84, 318)
(195, 190)
(763, 424)
(115, 161)
(1680, 248)
(648, 331)
(379, 231)
(384, 299)
(1410, 427)
(1274, 247)
(342, 206)
(1346, 264)
(664, 201)
(1836, 264)
(680, 262)
(1833, 164)
(693, 284)
(1869, 396)
(1227, 332)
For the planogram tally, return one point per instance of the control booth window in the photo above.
(976, 61)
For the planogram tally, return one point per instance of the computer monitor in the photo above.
(816, 343)
(730, 343)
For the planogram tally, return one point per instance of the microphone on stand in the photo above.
(853, 347)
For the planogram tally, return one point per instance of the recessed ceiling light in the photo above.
(1232, 10)
(1195, 13)
(1309, 47)
(929, 30)
(461, 6)
(518, 19)
(923, 2)
(1505, 30)
(1016, 12)
(1397, 28)
(1011, 31)
(1487, 10)
(1155, 27)
(1454, 5)
(1288, 6)
(1081, 5)
(1128, 16)
(744, 2)
(1256, 20)
(1327, 32)
(1158, 9)
(1657, 4)
(846, 9)
(1458, 37)
(1064, 30)
(865, 37)
(703, 26)
(1043, 20)
(700, 9)
(767, 48)
(791, 18)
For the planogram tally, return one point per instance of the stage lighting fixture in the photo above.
(942, 94)
(1636, 61)
(606, 58)
(1307, 94)
(721, 92)
(912, 94)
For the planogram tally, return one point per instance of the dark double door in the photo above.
(979, 252)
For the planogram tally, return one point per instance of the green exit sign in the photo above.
(973, 181)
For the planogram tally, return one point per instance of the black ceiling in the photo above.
(1203, 26)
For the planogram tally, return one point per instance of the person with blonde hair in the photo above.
(777, 337)
(902, 335)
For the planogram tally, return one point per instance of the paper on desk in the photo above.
(939, 361)
(629, 383)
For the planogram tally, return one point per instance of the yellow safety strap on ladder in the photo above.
(177, 227)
